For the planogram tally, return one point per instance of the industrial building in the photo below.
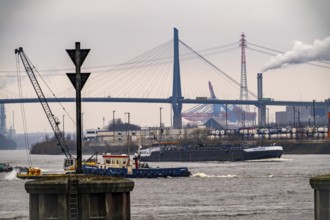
(298, 116)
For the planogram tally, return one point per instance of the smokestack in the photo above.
(301, 53)
(261, 108)
(259, 77)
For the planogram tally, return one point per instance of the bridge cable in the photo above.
(226, 78)
(217, 68)
(129, 75)
(121, 68)
(194, 71)
(99, 80)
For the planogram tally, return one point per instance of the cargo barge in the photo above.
(163, 152)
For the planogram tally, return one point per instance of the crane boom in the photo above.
(50, 116)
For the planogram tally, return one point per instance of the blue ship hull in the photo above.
(138, 173)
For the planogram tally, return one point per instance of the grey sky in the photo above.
(116, 31)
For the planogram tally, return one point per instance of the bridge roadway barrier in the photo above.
(97, 197)
(169, 100)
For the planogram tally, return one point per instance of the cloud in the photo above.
(301, 53)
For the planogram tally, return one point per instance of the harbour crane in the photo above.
(69, 161)
(204, 112)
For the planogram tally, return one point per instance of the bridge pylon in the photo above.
(176, 92)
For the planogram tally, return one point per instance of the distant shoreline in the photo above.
(289, 147)
(7, 143)
(307, 148)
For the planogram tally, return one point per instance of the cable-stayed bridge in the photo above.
(171, 73)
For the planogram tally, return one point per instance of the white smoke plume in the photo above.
(301, 53)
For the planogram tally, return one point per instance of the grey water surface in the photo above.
(266, 189)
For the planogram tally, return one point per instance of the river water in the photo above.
(267, 189)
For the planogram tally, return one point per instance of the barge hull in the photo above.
(205, 155)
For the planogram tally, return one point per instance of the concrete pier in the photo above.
(321, 186)
(79, 197)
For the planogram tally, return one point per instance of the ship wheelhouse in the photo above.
(116, 161)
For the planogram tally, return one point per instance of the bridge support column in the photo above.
(2, 119)
(262, 115)
(176, 92)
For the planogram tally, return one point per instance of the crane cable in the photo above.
(57, 100)
(53, 94)
(25, 129)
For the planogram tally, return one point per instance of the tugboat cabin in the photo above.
(116, 161)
